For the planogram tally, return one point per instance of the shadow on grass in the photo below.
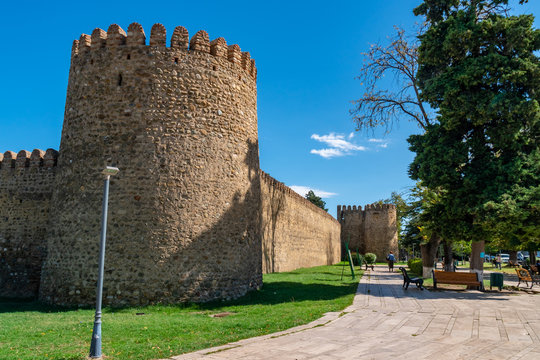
(271, 293)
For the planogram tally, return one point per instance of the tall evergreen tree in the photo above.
(478, 68)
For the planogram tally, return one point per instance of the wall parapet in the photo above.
(345, 209)
(25, 159)
(287, 190)
(115, 38)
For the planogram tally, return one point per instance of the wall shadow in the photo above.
(396, 290)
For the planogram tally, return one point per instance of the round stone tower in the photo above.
(180, 122)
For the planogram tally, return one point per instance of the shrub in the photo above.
(415, 265)
(370, 258)
(358, 259)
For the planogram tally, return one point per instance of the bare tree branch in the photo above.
(382, 107)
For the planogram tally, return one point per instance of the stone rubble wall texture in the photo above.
(181, 125)
(296, 233)
(373, 229)
(26, 183)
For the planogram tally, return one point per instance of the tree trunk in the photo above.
(477, 263)
(448, 256)
(532, 255)
(513, 256)
(429, 251)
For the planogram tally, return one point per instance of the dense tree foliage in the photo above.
(478, 68)
(316, 200)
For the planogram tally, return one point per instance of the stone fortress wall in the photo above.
(373, 229)
(26, 185)
(296, 233)
(187, 218)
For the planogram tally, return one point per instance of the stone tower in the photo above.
(373, 229)
(184, 212)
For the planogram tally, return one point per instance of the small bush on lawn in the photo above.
(415, 265)
(370, 258)
(358, 259)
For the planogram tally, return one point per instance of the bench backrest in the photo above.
(523, 274)
(449, 275)
(404, 272)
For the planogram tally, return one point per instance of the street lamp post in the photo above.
(95, 345)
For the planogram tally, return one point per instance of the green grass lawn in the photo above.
(29, 330)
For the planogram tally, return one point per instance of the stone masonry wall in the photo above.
(26, 181)
(380, 229)
(373, 229)
(296, 233)
(181, 125)
(352, 228)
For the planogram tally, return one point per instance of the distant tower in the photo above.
(372, 230)
(184, 211)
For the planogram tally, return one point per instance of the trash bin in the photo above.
(496, 279)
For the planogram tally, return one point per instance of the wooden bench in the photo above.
(407, 280)
(525, 276)
(456, 278)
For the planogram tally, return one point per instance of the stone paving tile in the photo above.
(385, 321)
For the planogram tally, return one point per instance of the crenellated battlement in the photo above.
(358, 209)
(116, 38)
(26, 159)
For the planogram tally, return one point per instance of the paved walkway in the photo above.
(386, 322)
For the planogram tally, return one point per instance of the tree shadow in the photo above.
(383, 290)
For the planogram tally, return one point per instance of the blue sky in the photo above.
(307, 55)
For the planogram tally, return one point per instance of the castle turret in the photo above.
(373, 229)
(180, 122)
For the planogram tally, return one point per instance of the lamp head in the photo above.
(110, 171)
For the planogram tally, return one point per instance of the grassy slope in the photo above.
(30, 330)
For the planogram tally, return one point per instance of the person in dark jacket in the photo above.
(391, 259)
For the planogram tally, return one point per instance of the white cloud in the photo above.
(381, 143)
(338, 146)
(337, 141)
(303, 190)
(328, 153)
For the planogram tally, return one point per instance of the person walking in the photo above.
(499, 261)
(391, 259)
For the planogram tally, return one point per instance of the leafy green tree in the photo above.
(478, 68)
(316, 200)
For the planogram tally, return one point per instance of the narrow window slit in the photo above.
(128, 56)
(119, 79)
(176, 60)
